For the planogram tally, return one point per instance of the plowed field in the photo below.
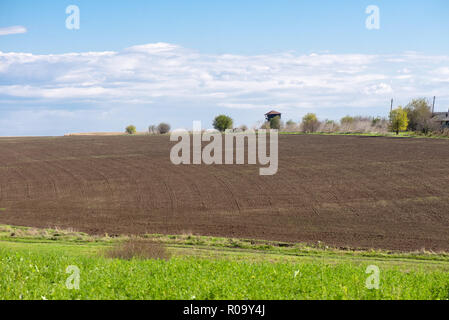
(363, 192)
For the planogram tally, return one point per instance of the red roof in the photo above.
(272, 112)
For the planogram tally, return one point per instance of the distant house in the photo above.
(270, 115)
(442, 118)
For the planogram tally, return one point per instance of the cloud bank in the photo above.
(101, 90)
(12, 30)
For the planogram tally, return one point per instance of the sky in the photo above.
(142, 62)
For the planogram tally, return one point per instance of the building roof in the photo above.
(272, 112)
(441, 116)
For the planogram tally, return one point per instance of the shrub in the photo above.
(163, 128)
(290, 123)
(275, 123)
(329, 126)
(445, 132)
(265, 126)
(139, 249)
(419, 115)
(131, 129)
(347, 120)
(398, 120)
(222, 122)
(310, 123)
(290, 126)
(375, 122)
(347, 124)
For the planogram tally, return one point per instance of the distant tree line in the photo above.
(415, 117)
(161, 128)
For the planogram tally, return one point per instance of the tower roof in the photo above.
(272, 112)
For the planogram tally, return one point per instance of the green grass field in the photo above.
(33, 265)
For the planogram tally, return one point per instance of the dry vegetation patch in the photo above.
(138, 249)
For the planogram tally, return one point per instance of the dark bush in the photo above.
(163, 128)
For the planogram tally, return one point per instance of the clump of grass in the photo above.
(138, 249)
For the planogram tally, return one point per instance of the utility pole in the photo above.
(391, 106)
(433, 106)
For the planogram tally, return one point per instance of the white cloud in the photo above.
(243, 106)
(12, 30)
(170, 77)
(381, 89)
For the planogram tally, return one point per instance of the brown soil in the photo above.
(364, 192)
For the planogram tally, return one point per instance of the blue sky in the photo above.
(179, 61)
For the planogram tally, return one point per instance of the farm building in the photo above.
(442, 118)
(270, 115)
